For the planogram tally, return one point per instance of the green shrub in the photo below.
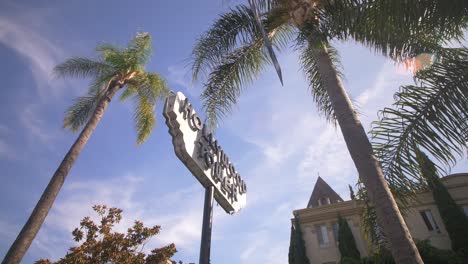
(346, 260)
(429, 254)
(433, 255)
(382, 257)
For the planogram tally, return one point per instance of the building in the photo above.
(320, 228)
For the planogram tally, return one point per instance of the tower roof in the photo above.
(322, 190)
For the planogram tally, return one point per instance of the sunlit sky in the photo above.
(275, 138)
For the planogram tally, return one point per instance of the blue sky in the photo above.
(275, 138)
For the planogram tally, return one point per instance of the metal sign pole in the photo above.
(206, 227)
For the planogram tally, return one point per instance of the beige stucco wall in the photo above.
(457, 185)
(328, 215)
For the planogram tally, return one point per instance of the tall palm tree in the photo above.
(114, 70)
(232, 54)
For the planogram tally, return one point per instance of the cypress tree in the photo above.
(351, 193)
(297, 253)
(292, 246)
(346, 242)
(455, 221)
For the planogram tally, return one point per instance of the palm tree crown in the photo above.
(124, 67)
(231, 54)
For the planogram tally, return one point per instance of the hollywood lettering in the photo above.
(222, 170)
(201, 153)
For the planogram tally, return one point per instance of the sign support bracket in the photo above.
(205, 244)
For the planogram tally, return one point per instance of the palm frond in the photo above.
(431, 116)
(400, 28)
(146, 88)
(129, 92)
(107, 49)
(100, 83)
(83, 67)
(222, 37)
(149, 85)
(227, 80)
(131, 58)
(241, 63)
(139, 49)
(267, 44)
(235, 28)
(238, 69)
(144, 118)
(81, 111)
(154, 88)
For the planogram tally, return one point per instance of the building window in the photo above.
(322, 235)
(428, 219)
(323, 201)
(465, 209)
(335, 227)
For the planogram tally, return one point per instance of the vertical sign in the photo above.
(202, 154)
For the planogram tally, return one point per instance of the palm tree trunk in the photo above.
(37, 217)
(388, 215)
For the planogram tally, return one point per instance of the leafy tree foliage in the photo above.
(297, 252)
(346, 242)
(455, 221)
(100, 244)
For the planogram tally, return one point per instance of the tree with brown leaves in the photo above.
(102, 245)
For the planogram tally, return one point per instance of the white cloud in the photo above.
(380, 94)
(24, 30)
(262, 246)
(180, 75)
(4, 129)
(6, 230)
(328, 156)
(31, 119)
(255, 241)
(40, 52)
(6, 151)
(180, 222)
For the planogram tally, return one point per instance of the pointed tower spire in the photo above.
(323, 194)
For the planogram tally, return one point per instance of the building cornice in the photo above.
(330, 211)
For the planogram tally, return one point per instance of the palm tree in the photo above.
(232, 53)
(115, 69)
